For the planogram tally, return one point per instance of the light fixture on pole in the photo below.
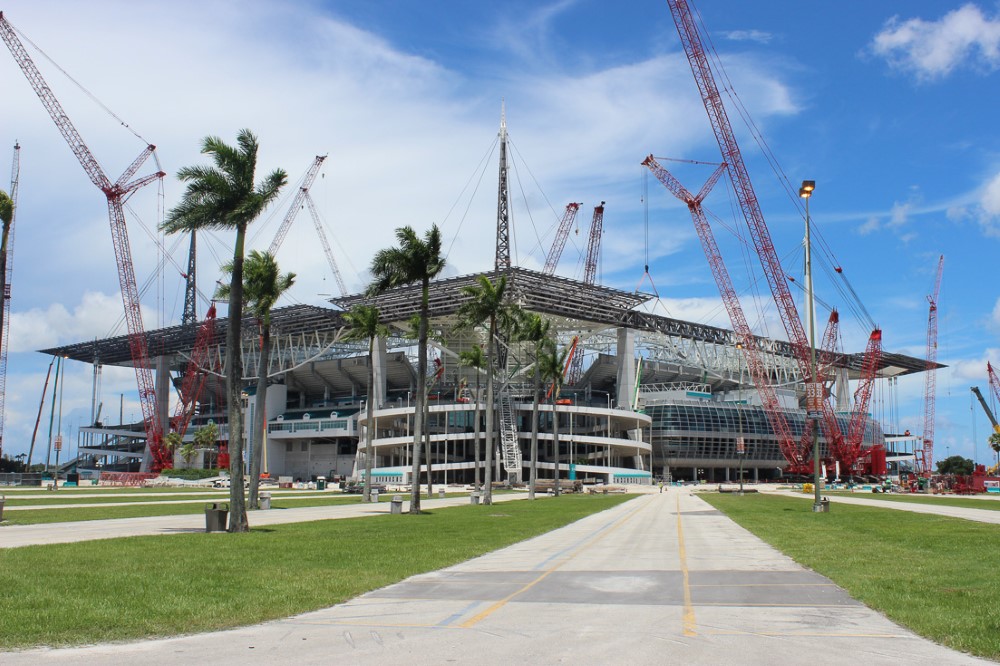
(814, 389)
(740, 442)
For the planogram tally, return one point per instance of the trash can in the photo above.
(473, 498)
(375, 494)
(397, 504)
(265, 501)
(320, 483)
(441, 493)
(215, 517)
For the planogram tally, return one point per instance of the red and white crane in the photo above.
(15, 177)
(748, 203)
(116, 193)
(195, 375)
(925, 461)
(303, 197)
(794, 452)
(562, 233)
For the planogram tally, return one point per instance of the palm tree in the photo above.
(553, 362)
(224, 196)
(6, 217)
(534, 329)
(487, 305)
(263, 285)
(365, 325)
(995, 445)
(475, 358)
(415, 260)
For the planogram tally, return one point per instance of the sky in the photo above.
(889, 106)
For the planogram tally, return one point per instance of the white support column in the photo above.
(626, 367)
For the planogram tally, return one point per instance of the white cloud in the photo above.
(933, 49)
(758, 36)
(96, 316)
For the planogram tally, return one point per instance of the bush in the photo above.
(190, 474)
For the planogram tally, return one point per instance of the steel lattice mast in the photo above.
(562, 233)
(594, 245)
(797, 454)
(926, 459)
(747, 199)
(15, 177)
(190, 315)
(115, 192)
(502, 261)
(296, 205)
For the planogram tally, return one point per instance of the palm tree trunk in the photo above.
(3, 272)
(478, 399)
(370, 424)
(555, 437)
(418, 411)
(427, 446)
(234, 390)
(533, 474)
(259, 415)
(488, 457)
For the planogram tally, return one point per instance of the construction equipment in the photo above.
(116, 193)
(562, 233)
(748, 203)
(925, 456)
(794, 452)
(303, 196)
(8, 242)
(986, 407)
(589, 277)
(195, 375)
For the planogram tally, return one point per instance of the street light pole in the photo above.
(740, 443)
(814, 395)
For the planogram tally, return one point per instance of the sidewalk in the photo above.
(664, 578)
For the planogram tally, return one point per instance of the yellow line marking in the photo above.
(688, 617)
(475, 619)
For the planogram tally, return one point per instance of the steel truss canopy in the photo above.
(574, 304)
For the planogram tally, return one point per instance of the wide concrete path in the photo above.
(660, 579)
(966, 513)
(15, 536)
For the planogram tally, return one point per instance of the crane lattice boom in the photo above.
(297, 202)
(195, 375)
(794, 453)
(926, 459)
(318, 223)
(115, 193)
(15, 177)
(594, 245)
(562, 233)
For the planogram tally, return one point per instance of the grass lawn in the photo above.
(118, 589)
(931, 574)
(939, 500)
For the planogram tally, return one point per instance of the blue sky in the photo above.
(889, 106)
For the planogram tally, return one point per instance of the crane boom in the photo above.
(594, 245)
(318, 223)
(15, 178)
(115, 194)
(297, 202)
(562, 233)
(926, 458)
(986, 408)
(747, 199)
(795, 453)
(195, 375)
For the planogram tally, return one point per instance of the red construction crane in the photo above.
(297, 202)
(562, 233)
(794, 452)
(854, 450)
(747, 200)
(925, 461)
(116, 193)
(196, 374)
(589, 277)
(994, 382)
(15, 176)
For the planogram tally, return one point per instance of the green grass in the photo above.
(932, 574)
(938, 500)
(120, 589)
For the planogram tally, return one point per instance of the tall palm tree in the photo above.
(995, 445)
(6, 218)
(552, 363)
(475, 358)
(415, 260)
(263, 285)
(534, 329)
(365, 325)
(488, 305)
(224, 196)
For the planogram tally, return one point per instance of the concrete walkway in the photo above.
(661, 579)
(15, 536)
(978, 515)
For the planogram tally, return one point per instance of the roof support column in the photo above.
(378, 359)
(626, 367)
